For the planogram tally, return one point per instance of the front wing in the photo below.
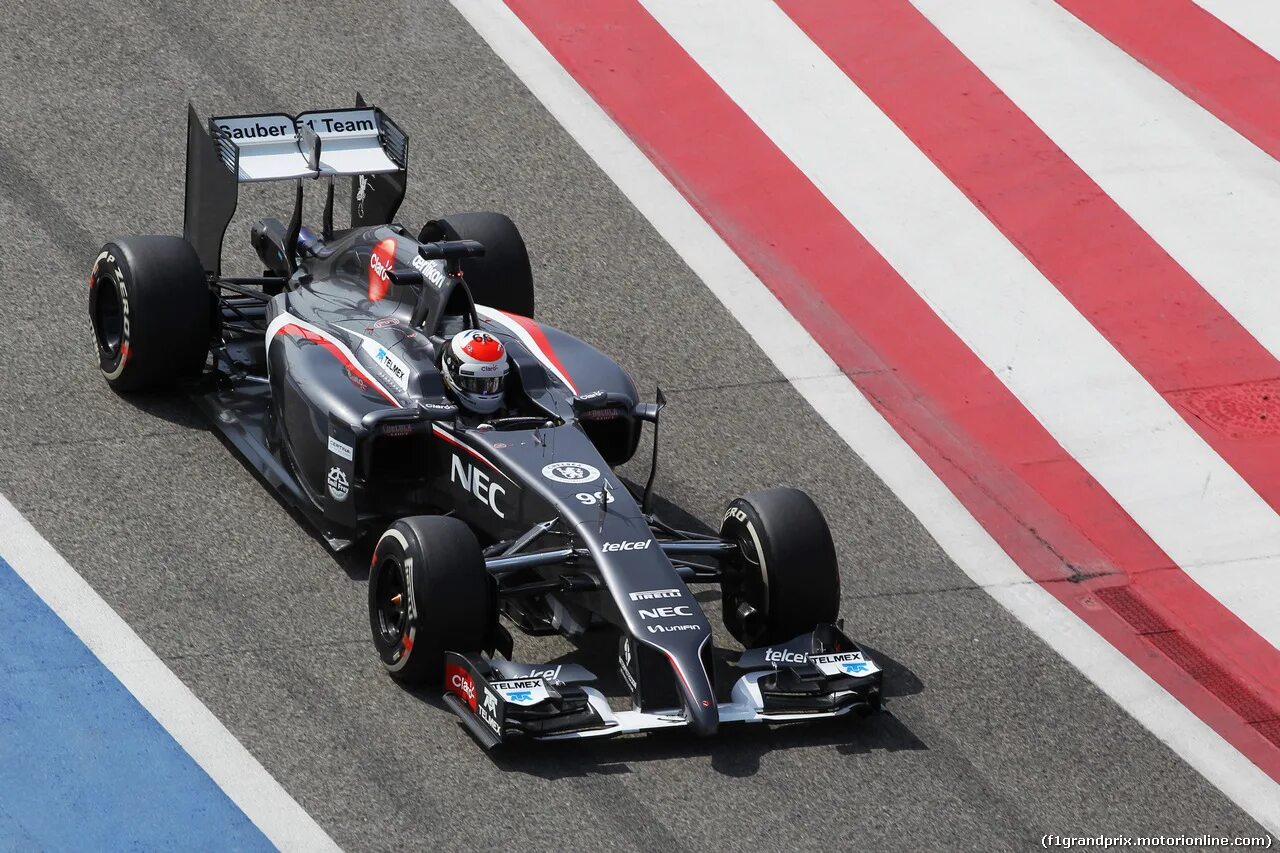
(795, 687)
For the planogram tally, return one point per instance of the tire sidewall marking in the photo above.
(396, 658)
(742, 514)
(112, 366)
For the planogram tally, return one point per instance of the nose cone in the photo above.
(699, 699)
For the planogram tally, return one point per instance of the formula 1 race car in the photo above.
(325, 374)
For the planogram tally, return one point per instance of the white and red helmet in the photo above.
(475, 369)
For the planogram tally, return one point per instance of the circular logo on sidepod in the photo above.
(571, 472)
(338, 486)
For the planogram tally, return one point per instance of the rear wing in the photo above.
(361, 142)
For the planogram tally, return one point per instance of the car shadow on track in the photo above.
(735, 752)
(176, 409)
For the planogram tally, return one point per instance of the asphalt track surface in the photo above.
(990, 741)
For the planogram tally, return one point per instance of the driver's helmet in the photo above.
(475, 369)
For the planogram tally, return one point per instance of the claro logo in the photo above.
(381, 262)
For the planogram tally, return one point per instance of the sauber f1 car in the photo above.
(325, 374)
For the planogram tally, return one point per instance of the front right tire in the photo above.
(783, 579)
(429, 593)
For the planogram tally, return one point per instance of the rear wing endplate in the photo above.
(361, 142)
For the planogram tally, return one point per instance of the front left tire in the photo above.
(429, 593)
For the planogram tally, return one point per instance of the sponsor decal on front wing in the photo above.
(524, 691)
(843, 663)
(459, 682)
(780, 656)
(487, 711)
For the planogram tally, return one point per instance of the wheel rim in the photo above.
(108, 316)
(390, 603)
(746, 582)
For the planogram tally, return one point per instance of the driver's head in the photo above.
(475, 370)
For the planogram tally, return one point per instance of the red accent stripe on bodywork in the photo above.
(535, 331)
(294, 330)
(444, 433)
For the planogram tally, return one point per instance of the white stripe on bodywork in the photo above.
(287, 319)
(493, 315)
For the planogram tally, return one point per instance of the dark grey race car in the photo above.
(324, 374)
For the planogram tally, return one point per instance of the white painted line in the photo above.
(833, 396)
(1256, 20)
(1103, 412)
(156, 688)
(1206, 194)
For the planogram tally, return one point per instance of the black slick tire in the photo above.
(151, 311)
(502, 278)
(429, 593)
(784, 570)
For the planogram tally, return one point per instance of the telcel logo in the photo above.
(667, 612)
(626, 546)
(784, 656)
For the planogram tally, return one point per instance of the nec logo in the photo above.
(626, 546)
(667, 612)
(477, 483)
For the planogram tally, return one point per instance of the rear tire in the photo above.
(784, 571)
(151, 310)
(447, 600)
(500, 279)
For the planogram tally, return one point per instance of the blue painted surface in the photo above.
(83, 766)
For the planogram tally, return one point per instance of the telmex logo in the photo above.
(667, 612)
(627, 546)
(519, 684)
(650, 594)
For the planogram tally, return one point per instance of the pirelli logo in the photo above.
(652, 594)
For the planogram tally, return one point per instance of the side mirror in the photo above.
(404, 276)
(601, 406)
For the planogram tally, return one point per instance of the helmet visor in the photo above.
(480, 384)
